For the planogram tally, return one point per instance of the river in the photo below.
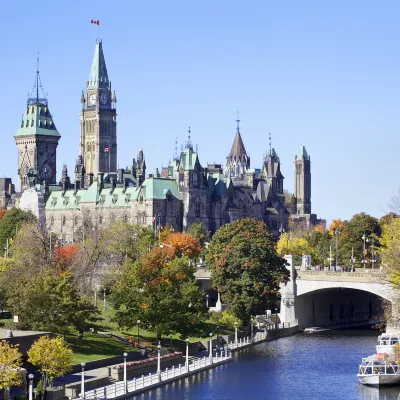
(320, 367)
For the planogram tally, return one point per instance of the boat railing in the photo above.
(378, 368)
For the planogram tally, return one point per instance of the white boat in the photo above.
(378, 371)
(314, 329)
(386, 343)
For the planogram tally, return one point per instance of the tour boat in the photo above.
(314, 329)
(386, 343)
(376, 370)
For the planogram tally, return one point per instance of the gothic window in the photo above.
(32, 123)
(27, 111)
(126, 218)
(33, 110)
(197, 208)
(51, 221)
(100, 220)
(64, 220)
(76, 220)
(144, 218)
(27, 123)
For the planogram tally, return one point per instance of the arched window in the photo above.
(64, 220)
(51, 221)
(100, 220)
(76, 220)
(197, 208)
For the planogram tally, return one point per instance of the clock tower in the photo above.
(98, 139)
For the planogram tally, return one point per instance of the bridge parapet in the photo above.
(336, 276)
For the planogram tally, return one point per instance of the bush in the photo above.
(228, 319)
(216, 317)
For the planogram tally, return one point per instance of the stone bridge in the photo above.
(332, 298)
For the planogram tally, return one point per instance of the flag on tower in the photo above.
(106, 150)
(154, 219)
(95, 21)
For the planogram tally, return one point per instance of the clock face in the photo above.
(103, 98)
(92, 99)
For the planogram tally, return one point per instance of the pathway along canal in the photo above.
(320, 367)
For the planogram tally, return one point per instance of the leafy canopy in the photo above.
(10, 360)
(245, 267)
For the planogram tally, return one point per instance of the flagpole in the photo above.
(109, 159)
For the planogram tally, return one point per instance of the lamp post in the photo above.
(30, 376)
(83, 381)
(104, 303)
(217, 338)
(138, 331)
(236, 338)
(187, 354)
(372, 240)
(251, 329)
(337, 233)
(211, 348)
(364, 238)
(159, 361)
(207, 300)
(125, 380)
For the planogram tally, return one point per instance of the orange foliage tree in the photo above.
(182, 244)
(335, 224)
(2, 214)
(65, 255)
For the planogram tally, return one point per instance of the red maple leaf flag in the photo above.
(106, 149)
(95, 21)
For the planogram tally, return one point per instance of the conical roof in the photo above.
(98, 77)
(238, 150)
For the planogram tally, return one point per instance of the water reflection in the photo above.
(299, 367)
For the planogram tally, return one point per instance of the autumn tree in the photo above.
(181, 244)
(245, 267)
(336, 224)
(52, 357)
(65, 256)
(10, 361)
(11, 223)
(161, 292)
(2, 214)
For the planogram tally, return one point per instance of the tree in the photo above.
(182, 244)
(65, 256)
(390, 250)
(162, 293)
(52, 356)
(319, 242)
(245, 267)
(10, 361)
(199, 232)
(2, 214)
(336, 224)
(11, 223)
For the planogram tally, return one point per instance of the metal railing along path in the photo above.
(133, 385)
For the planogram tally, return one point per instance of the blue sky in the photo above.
(324, 74)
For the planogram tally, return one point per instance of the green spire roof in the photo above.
(37, 120)
(302, 154)
(98, 77)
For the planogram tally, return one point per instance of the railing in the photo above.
(118, 388)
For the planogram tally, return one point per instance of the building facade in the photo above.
(184, 193)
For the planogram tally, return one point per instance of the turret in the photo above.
(302, 182)
(140, 169)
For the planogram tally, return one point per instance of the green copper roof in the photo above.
(98, 77)
(160, 188)
(188, 159)
(37, 120)
(302, 154)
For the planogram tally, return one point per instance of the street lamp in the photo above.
(337, 233)
(138, 330)
(211, 335)
(207, 300)
(187, 355)
(30, 376)
(104, 305)
(159, 361)
(364, 238)
(372, 240)
(83, 381)
(236, 335)
(217, 338)
(282, 231)
(251, 328)
(125, 380)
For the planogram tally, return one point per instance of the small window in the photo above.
(32, 123)
(76, 220)
(64, 220)
(33, 110)
(100, 220)
(27, 124)
(126, 218)
(52, 221)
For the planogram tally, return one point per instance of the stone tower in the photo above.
(271, 171)
(302, 182)
(238, 162)
(37, 141)
(98, 139)
(140, 169)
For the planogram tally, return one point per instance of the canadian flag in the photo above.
(106, 150)
(154, 219)
(95, 21)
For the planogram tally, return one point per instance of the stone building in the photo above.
(184, 193)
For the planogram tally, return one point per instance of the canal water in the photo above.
(320, 367)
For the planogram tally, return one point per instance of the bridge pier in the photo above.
(288, 293)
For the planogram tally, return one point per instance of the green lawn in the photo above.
(94, 347)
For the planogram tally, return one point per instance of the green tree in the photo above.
(245, 267)
(52, 357)
(162, 293)
(319, 243)
(199, 232)
(351, 237)
(11, 222)
(10, 361)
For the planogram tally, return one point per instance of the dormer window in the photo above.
(33, 110)
(32, 123)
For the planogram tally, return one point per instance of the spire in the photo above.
(33, 97)
(176, 155)
(237, 121)
(189, 142)
(98, 77)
